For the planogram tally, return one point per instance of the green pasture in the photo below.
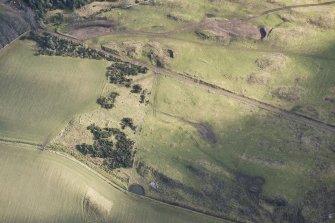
(249, 141)
(305, 70)
(40, 94)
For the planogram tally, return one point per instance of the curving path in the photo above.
(290, 7)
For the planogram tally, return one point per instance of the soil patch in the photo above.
(229, 29)
(90, 32)
(85, 30)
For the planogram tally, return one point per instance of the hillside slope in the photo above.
(14, 20)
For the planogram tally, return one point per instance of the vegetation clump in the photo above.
(261, 78)
(108, 102)
(118, 73)
(116, 154)
(128, 122)
(51, 45)
(143, 97)
(57, 19)
(271, 62)
(290, 94)
(136, 89)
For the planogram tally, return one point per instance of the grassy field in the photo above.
(46, 187)
(287, 155)
(291, 69)
(40, 94)
(301, 74)
(205, 151)
(169, 15)
(242, 71)
(240, 131)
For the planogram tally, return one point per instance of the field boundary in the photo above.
(65, 155)
(73, 159)
(18, 141)
(14, 40)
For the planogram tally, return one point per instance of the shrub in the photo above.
(108, 102)
(128, 122)
(136, 89)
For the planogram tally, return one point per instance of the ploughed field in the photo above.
(48, 187)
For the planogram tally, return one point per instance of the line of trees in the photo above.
(51, 45)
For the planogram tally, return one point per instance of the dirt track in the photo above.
(290, 7)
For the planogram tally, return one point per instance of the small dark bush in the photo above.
(136, 89)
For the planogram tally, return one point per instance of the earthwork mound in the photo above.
(226, 30)
(96, 205)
